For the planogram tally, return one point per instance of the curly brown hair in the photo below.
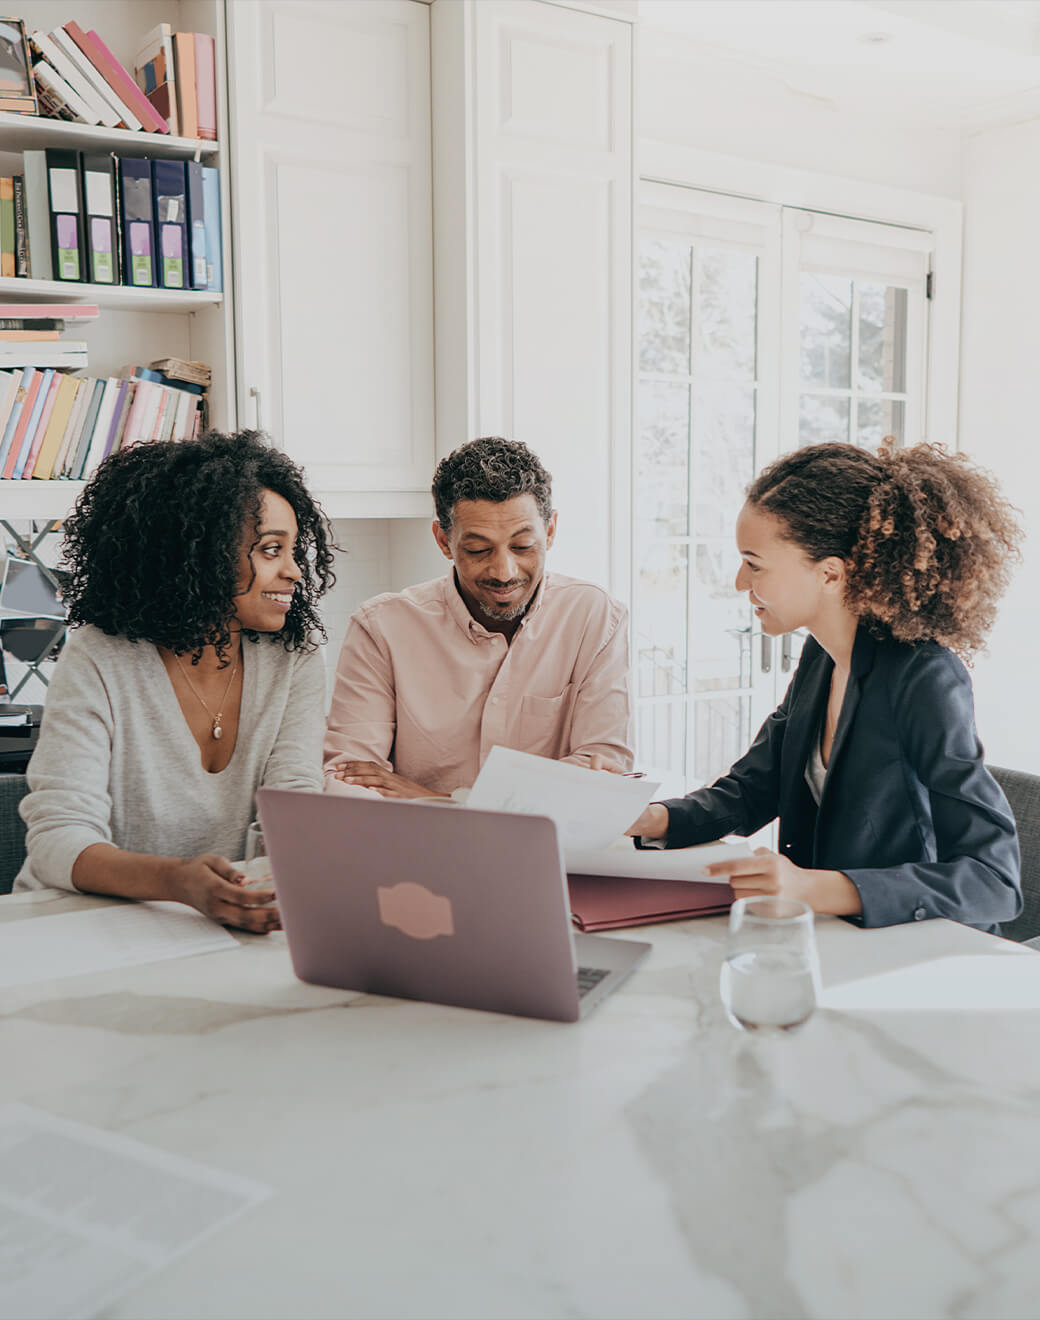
(493, 469)
(928, 540)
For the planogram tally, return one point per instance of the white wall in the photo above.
(999, 418)
(692, 95)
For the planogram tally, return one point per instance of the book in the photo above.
(10, 384)
(52, 54)
(41, 414)
(65, 353)
(22, 379)
(94, 451)
(117, 77)
(19, 420)
(155, 74)
(25, 323)
(84, 389)
(96, 425)
(29, 336)
(198, 373)
(124, 115)
(206, 85)
(48, 311)
(7, 266)
(57, 99)
(21, 233)
(118, 427)
(71, 461)
(49, 437)
(184, 65)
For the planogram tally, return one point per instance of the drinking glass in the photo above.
(258, 864)
(771, 974)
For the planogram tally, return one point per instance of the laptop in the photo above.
(432, 902)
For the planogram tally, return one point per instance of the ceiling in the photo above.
(955, 62)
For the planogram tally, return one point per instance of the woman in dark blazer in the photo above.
(894, 564)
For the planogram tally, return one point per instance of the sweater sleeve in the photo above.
(975, 875)
(295, 758)
(68, 806)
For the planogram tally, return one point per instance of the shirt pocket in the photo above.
(545, 723)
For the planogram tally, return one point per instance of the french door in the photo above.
(761, 328)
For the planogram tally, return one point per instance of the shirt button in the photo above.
(920, 914)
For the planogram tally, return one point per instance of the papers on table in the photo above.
(86, 1214)
(655, 863)
(72, 943)
(591, 808)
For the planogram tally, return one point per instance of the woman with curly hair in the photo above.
(894, 564)
(191, 676)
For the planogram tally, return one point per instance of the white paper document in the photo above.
(655, 863)
(590, 808)
(73, 943)
(86, 1214)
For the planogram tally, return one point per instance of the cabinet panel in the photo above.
(332, 200)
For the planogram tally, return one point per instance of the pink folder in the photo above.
(610, 902)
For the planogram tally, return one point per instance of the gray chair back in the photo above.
(12, 829)
(1023, 793)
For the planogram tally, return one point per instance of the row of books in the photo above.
(103, 219)
(56, 425)
(30, 334)
(173, 89)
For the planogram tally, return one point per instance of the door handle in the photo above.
(785, 653)
(254, 394)
(765, 655)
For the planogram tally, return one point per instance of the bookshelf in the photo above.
(135, 324)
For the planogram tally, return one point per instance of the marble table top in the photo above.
(650, 1161)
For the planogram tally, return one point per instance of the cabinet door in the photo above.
(330, 112)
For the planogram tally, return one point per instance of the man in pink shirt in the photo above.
(496, 651)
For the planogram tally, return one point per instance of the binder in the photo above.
(135, 196)
(171, 229)
(214, 251)
(99, 219)
(37, 209)
(198, 266)
(66, 212)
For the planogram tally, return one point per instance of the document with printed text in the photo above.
(591, 808)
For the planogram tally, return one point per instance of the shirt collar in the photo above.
(474, 630)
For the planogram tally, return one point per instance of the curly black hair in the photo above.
(152, 549)
(490, 469)
(928, 539)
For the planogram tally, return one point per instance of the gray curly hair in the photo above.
(490, 469)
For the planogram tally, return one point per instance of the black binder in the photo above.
(171, 227)
(65, 196)
(198, 269)
(135, 194)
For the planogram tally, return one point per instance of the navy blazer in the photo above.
(908, 812)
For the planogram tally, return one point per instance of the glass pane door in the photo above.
(701, 410)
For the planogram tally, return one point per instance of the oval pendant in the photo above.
(218, 732)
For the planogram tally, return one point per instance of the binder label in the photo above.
(198, 255)
(68, 248)
(172, 257)
(140, 252)
(101, 250)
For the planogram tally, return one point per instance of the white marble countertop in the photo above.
(648, 1162)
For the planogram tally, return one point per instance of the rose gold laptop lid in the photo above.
(431, 902)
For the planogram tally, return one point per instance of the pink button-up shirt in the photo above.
(423, 689)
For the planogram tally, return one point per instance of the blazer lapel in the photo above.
(803, 725)
(862, 662)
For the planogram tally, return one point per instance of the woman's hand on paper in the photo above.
(767, 873)
(213, 886)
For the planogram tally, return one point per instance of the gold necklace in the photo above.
(216, 729)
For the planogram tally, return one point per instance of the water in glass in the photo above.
(770, 974)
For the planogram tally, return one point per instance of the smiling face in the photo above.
(499, 554)
(268, 573)
(785, 587)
